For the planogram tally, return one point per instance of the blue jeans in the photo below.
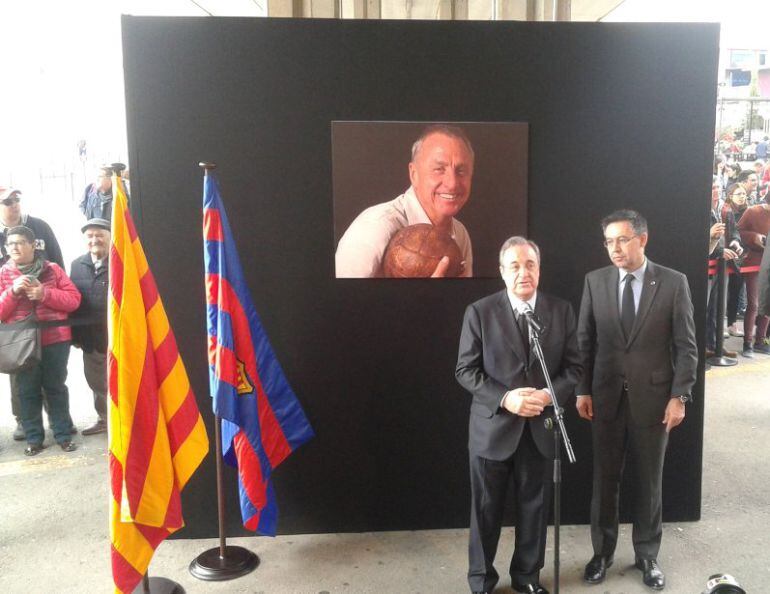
(49, 375)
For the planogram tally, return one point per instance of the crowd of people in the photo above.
(740, 221)
(72, 310)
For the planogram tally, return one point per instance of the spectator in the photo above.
(725, 246)
(749, 180)
(753, 227)
(762, 148)
(31, 284)
(11, 216)
(90, 274)
(46, 247)
(735, 205)
(97, 197)
(732, 171)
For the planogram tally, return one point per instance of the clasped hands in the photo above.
(31, 287)
(526, 402)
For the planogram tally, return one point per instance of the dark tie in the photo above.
(628, 313)
(524, 329)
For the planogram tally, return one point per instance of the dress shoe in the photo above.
(18, 433)
(596, 569)
(33, 449)
(99, 427)
(68, 446)
(709, 353)
(729, 354)
(652, 575)
(530, 588)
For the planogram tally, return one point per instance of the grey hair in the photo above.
(518, 240)
(446, 130)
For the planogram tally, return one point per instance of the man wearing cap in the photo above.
(90, 273)
(97, 197)
(45, 245)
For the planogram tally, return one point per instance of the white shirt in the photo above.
(518, 307)
(361, 248)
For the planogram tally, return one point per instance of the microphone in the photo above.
(534, 322)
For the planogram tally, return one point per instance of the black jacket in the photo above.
(492, 360)
(45, 241)
(93, 286)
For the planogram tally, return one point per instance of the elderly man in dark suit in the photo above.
(90, 274)
(636, 337)
(507, 435)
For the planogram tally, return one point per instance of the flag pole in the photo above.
(223, 562)
(158, 585)
(150, 585)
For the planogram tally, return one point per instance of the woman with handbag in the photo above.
(29, 285)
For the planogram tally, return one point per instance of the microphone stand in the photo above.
(559, 435)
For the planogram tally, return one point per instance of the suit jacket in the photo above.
(492, 360)
(659, 359)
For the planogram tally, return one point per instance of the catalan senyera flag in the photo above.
(262, 419)
(156, 435)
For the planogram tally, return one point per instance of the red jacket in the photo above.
(754, 226)
(60, 297)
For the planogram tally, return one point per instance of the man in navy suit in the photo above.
(507, 436)
(636, 337)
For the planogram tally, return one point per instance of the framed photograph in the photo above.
(426, 199)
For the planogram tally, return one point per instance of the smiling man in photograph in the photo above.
(440, 172)
(636, 337)
(508, 442)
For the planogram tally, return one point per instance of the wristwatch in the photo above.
(683, 398)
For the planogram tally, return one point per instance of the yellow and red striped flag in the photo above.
(157, 437)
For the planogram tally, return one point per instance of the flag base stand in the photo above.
(158, 585)
(212, 566)
(722, 361)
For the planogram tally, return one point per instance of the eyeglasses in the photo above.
(622, 241)
(13, 244)
(11, 200)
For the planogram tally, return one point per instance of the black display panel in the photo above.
(619, 116)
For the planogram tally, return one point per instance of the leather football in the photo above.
(415, 251)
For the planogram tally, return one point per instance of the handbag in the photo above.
(20, 345)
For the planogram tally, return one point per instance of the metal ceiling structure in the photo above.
(525, 10)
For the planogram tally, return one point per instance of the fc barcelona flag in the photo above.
(157, 437)
(262, 420)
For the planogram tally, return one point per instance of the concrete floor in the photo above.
(54, 532)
